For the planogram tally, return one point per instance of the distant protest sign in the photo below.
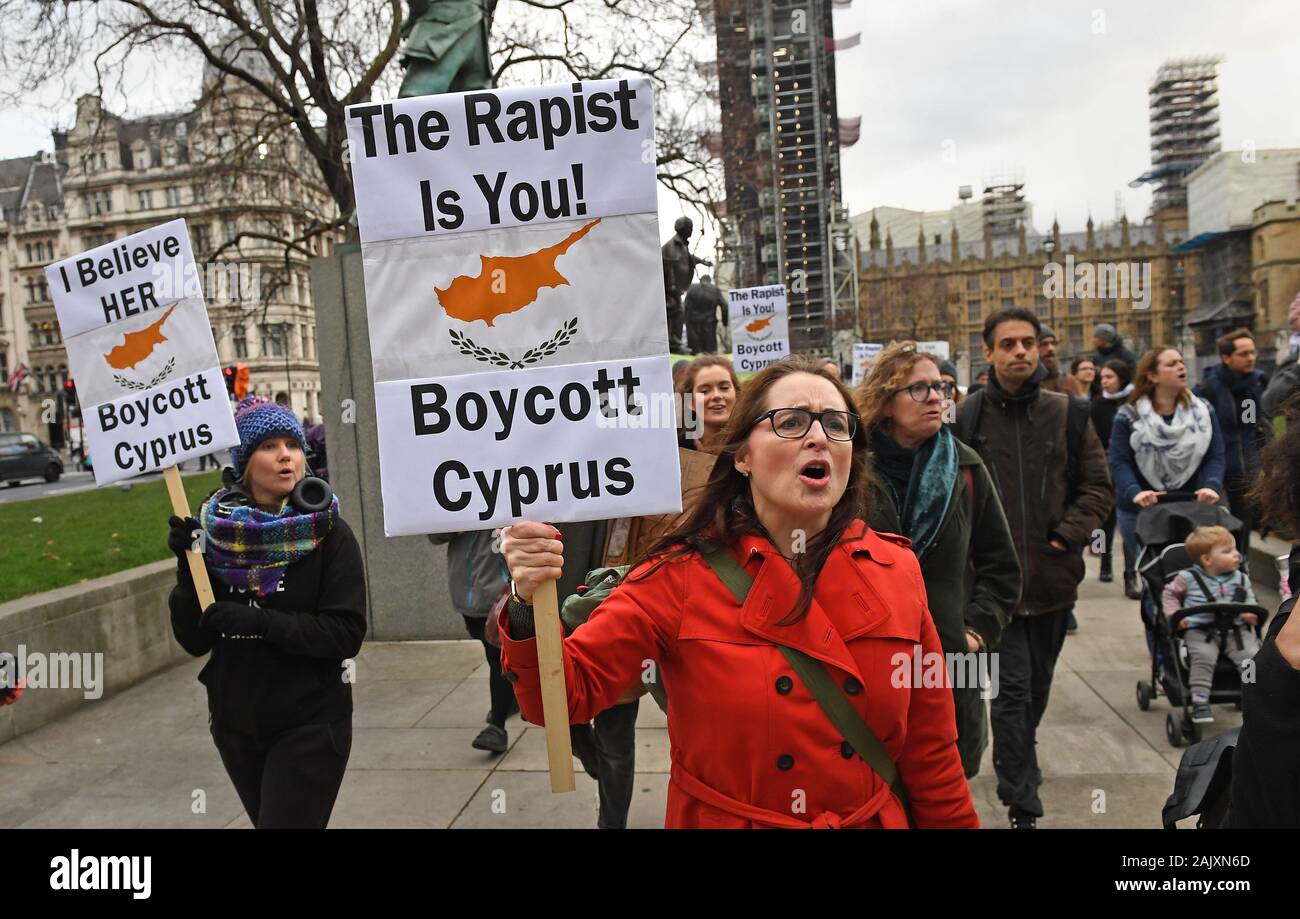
(865, 355)
(760, 328)
(515, 296)
(938, 348)
(141, 351)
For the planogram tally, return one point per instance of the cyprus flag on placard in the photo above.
(141, 351)
(516, 305)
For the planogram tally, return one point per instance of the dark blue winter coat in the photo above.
(1227, 392)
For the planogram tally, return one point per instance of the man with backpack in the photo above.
(1235, 390)
(1051, 473)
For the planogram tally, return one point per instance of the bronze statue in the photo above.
(703, 300)
(679, 269)
(446, 49)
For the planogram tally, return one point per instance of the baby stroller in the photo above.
(1161, 530)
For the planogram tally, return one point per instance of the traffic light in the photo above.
(228, 373)
(70, 396)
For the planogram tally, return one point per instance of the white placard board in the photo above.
(760, 326)
(515, 299)
(864, 356)
(141, 352)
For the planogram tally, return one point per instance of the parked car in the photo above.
(26, 456)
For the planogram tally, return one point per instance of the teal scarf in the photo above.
(924, 505)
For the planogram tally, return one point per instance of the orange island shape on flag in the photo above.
(758, 325)
(136, 346)
(506, 284)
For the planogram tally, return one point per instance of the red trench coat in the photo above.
(750, 747)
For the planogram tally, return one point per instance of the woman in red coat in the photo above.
(751, 747)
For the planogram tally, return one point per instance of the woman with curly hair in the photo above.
(932, 488)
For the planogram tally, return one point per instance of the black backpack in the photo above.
(1203, 783)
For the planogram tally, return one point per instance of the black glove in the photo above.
(180, 539)
(225, 617)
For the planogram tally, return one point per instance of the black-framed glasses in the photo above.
(793, 423)
(921, 391)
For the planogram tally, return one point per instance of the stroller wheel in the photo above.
(1173, 730)
(1144, 695)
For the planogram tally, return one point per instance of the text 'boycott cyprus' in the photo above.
(142, 411)
(503, 411)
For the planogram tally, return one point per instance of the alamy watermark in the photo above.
(219, 283)
(656, 411)
(103, 872)
(53, 670)
(1091, 280)
(952, 670)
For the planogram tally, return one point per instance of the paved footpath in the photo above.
(144, 758)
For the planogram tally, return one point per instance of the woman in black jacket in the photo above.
(1266, 764)
(290, 611)
(1116, 386)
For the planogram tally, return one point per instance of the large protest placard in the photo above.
(760, 327)
(514, 292)
(141, 351)
(515, 300)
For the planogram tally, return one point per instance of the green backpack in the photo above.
(578, 607)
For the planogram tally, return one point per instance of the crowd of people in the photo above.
(841, 540)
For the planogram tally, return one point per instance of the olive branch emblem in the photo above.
(134, 385)
(470, 348)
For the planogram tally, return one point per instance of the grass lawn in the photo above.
(87, 535)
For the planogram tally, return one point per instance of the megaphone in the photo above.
(310, 496)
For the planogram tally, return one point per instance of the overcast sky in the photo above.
(1027, 86)
(1054, 91)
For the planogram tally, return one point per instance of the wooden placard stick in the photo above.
(181, 508)
(555, 700)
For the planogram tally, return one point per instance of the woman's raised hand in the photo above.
(534, 554)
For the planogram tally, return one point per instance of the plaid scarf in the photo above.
(249, 548)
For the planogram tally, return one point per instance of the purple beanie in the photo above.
(257, 418)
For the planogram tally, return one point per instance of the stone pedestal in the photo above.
(406, 576)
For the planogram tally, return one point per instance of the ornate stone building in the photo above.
(942, 287)
(244, 186)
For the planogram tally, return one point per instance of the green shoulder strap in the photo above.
(832, 700)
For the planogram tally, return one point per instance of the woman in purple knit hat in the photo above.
(290, 612)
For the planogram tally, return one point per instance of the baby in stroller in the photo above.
(1214, 578)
